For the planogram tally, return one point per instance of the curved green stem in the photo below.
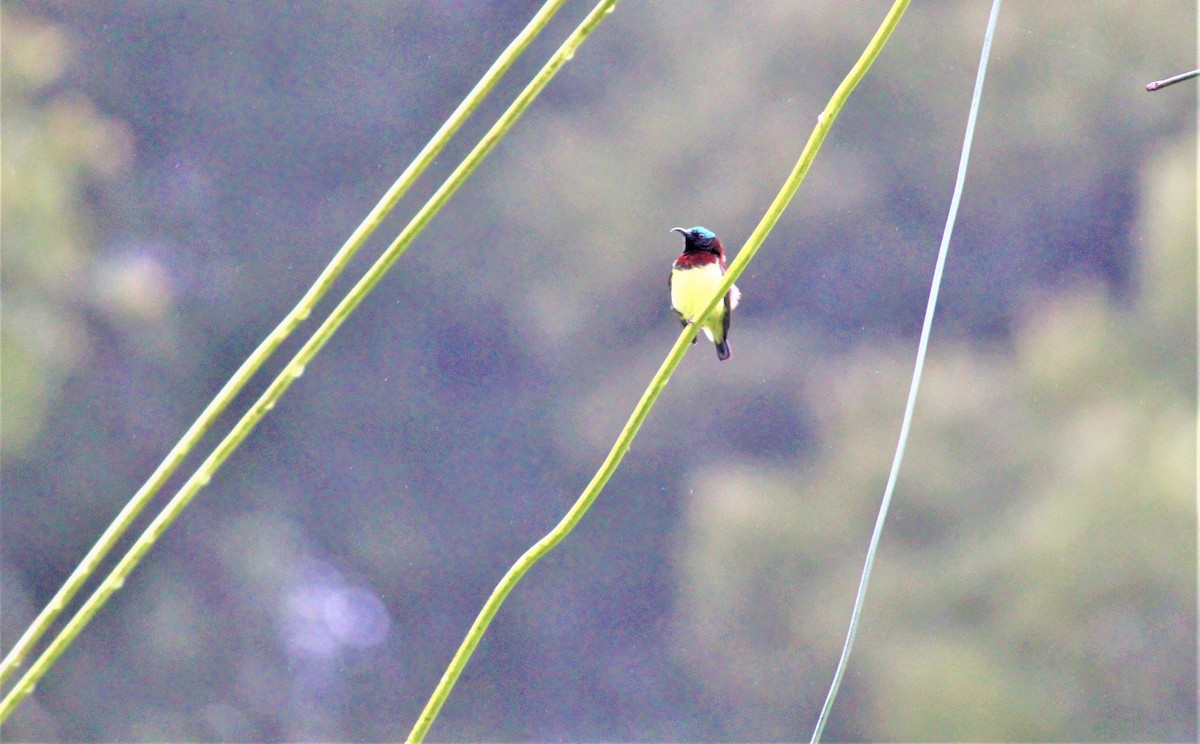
(294, 369)
(657, 383)
(299, 313)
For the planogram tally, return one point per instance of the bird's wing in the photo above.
(729, 301)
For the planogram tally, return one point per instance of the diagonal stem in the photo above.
(657, 383)
(108, 539)
(295, 368)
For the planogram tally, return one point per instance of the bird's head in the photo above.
(699, 239)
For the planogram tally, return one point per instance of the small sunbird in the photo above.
(694, 279)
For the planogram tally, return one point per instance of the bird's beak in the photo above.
(681, 230)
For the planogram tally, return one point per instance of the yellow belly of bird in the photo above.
(691, 289)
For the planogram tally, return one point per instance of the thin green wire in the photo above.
(926, 328)
(200, 427)
(657, 383)
(295, 368)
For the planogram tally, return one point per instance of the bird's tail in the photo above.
(723, 351)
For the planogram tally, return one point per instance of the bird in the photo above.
(694, 279)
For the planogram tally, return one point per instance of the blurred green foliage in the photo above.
(55, 144)
(1037, 579)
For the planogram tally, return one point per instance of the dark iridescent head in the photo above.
(699, 239)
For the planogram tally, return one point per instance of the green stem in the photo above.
(657, 383)
(295, 367)
(217, 406)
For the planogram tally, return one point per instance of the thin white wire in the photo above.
(916, 380)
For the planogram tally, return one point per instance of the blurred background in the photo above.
(175, 175)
